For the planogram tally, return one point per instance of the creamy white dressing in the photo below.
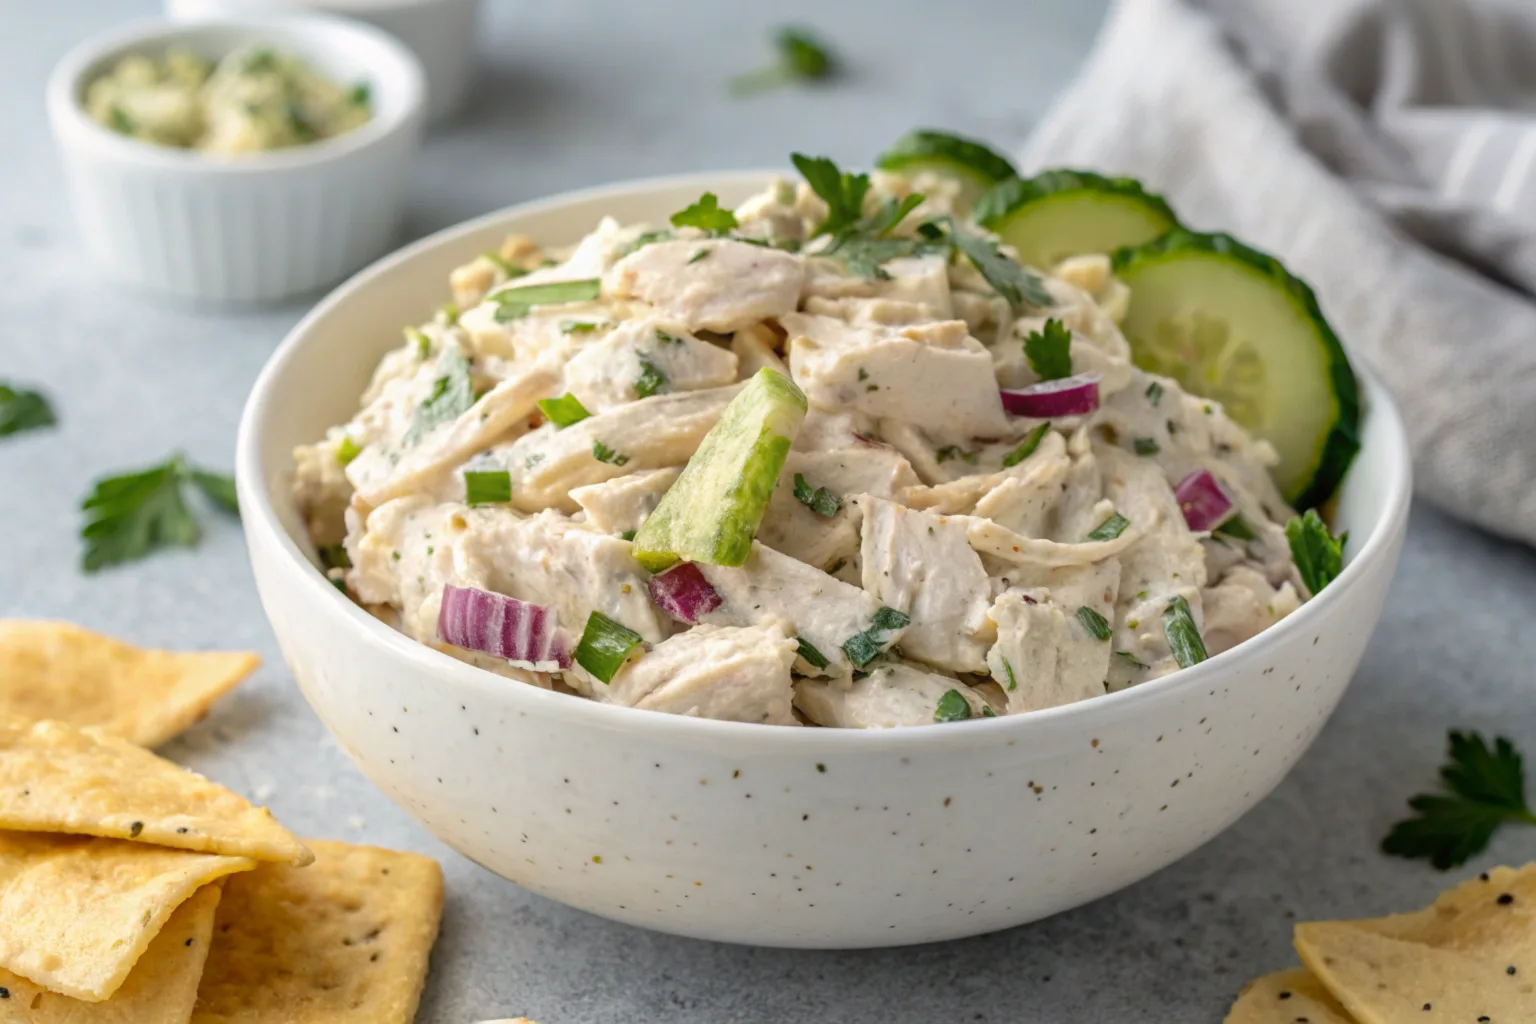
(940, 557)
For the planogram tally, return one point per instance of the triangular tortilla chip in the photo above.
(76, 912)
(343, 941)
(160, 989)
(58, 670)
(1388, 981)
(1494, 912)
(1285, 998)
(55, 778)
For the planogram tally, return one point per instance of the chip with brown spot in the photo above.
(56, 670)
(161, 988)
(343, 941)
(55, 778)
(1284, 998)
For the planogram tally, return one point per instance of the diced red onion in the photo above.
(527, 635)
(1069, 396)
(683, 593)
(1204, 504)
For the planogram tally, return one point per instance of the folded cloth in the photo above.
(1386, 150)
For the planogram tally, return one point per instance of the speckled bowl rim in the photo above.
(73, 126)
(259, 514)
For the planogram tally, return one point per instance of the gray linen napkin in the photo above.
(1387, 152)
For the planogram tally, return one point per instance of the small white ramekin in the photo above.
(257, 227)
(442, 33)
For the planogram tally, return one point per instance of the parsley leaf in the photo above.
(451, 395)
(1049, 350)
(821, 501)
(705, 215)
(23, 410)
(1027, 446)
(801, 58)
(1110, 528)
(952, 707)
(602, 453)
(132, 514)
(652, 379)
(1007, 276)
(487, 487)
(842, 191)
(1319, 556)
(1487, 789)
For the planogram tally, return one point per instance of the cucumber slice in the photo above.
(1230, 323)
(711, 513)
(925, 150)
(1065, 213)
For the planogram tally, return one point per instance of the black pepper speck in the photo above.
(1505, 899)
(135, 829)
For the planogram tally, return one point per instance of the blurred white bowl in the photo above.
(250, 228)
(764, 834)
(441, 33)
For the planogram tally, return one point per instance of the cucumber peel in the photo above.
(711, 513)
(1231, 323)
(926, 150)
(1061, 213)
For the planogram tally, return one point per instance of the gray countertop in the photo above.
(578, 92)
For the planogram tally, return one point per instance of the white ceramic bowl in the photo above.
(253, 228)
(442, 33)
(766, 835)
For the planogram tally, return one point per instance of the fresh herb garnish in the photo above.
(705, 215)
(1027, 446)
(422, 342)
(842, 191)
(602, 453)
(260, 59)
(450, 313)
(987, 712)
(862, 648)
(1130, 659)
(1146, 446)
(563, 411)
(1013, 680)
(515, 303)
(801, 58)
(809, 652)
(121, 122)
(667, 339)
(1049, 350)
(1007, 276)
(1486, 790)
(334, 556)
(820, 501)
(1236, 527)
(21, 410)
(951, 451)
(360, 95)
(490, 487)
(652, 379)
(1096, 625)
(1183, 636)
(1154, 393)
(504, 265)
(644, 239)
(130, 515)
(698, 255)
(452, 394)
(347, 450)
(1319, 556)
(627, 535)
(582, 326)
(604, 646)
(952, 707)
(1110, 528)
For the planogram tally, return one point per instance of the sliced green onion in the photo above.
(1183, 638)
(987, 712)
(651, 380)
(1130, 659)
(604, 646)
(1154, 393)
(514, 303)
(1096, 625)
(821, 501)
(492, 487)
(602, 453)
(952, 708)
(496, 260)
(1237, 527)
(347, 451)
(1110, 528)
(563, 411)
(1146, 446)
(809, 652)
(1027, 446)
(889, 618)
(1013, 681)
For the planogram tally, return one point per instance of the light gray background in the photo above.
(578, 92)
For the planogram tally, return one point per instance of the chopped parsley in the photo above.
(21, 410)
(582, 326)
(1183, 636)
(1146, 446)
(1486, 789)
(862, 648)
(515, 303)
(1236, 527)
(627, 535)
(602, 453)
(801, 57)
(423, 343)
(121, 122)
(952, 707)
(1319, 555)
(1154, 393)
(842, 191)
(347, 450)
(334, 556)
(1027, 446)
(652, 379)
(1110, 528)
(1096, 625)
(644, 239)
(360, 95)
(667, 339)
(605, 646)
(450, 313)
(1049, 350)
(563, 411)
(132, 514)
(699, 255)
(955, 452)
(452, 394)
(820, 501)
(987, 712)
(705, 215)
(492, 487)
(809, 652)
(1007, 276)
(1013, 680)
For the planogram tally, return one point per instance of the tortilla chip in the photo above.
(1380, 980)
(343, 941)
(1471, 917)
(1284, 998)
(56, 670)
(55, 778)
(77, 912)
(160, 989)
